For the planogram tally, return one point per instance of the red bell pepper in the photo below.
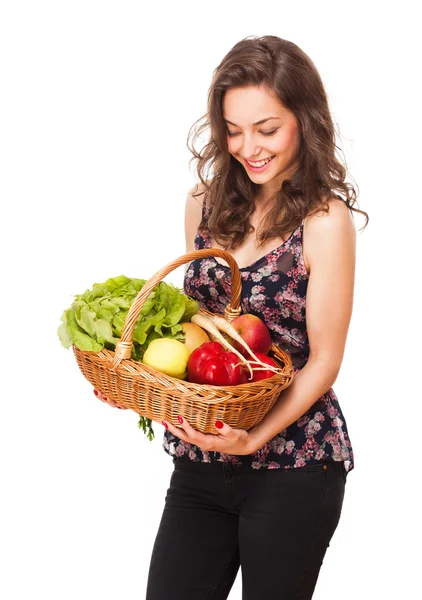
(211, 364)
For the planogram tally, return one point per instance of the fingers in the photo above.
(188, 434)
(177, 431)
(190, 431)
(106, 400)
(222, 428)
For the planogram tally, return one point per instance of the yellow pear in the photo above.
(195, 336)
(168, 356)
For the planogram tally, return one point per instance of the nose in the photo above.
(249, 147)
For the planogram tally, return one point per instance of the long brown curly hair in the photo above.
(285, 70)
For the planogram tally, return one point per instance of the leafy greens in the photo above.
(95, 319)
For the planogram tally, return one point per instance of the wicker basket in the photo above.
(157, 396)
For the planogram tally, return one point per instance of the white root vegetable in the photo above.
(214, 324)
(226, 327)
(264, 367)
(205, 322)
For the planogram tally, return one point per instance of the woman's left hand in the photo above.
(228, 440)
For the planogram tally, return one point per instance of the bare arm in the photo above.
(193, 216)
(330, 243)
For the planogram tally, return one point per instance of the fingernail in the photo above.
(118, 407)
(179, 418)
(165, 424)
(105, 399)
(96, 392)
(219, 424)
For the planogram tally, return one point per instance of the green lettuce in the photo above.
(96, 318)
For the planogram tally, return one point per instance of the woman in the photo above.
(268, 499)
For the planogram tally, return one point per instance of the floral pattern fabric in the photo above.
(273, 288)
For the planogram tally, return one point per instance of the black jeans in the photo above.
(274, 523)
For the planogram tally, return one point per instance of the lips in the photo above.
(255, 166)
(253, 169)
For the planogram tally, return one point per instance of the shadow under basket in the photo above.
(157, 396)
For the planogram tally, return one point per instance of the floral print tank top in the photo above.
(273, 288)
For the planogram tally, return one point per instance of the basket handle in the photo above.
(124, 346)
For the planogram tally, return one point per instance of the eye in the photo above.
(263, 133)
(269, 132)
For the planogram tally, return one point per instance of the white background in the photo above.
(96, 102)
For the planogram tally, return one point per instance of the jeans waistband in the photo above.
(217, 466)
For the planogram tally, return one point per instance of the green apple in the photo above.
(168, 356)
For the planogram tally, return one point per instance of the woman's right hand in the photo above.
(106, 400)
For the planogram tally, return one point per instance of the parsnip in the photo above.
(226, 327)
(267, 367)
(206, 323)
(214, 324)
(275, 370)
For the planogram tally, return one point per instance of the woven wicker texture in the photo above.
(157, 396)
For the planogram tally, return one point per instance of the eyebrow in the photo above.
(257, 123)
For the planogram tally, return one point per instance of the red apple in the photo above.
(254, 332)
(258, 375)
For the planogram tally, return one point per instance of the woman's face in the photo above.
(248, 139)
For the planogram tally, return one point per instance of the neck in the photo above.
(263, 203)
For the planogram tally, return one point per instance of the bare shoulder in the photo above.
(198, 191)
(195, 198)
(338, 215)
(331, 231)
(193, 213)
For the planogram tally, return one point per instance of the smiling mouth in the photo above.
(260, 163)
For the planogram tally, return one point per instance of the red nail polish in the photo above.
(165, 424)
(179, 418)
(96, 392)
(219, 424)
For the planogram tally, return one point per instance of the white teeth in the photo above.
(261, 163)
